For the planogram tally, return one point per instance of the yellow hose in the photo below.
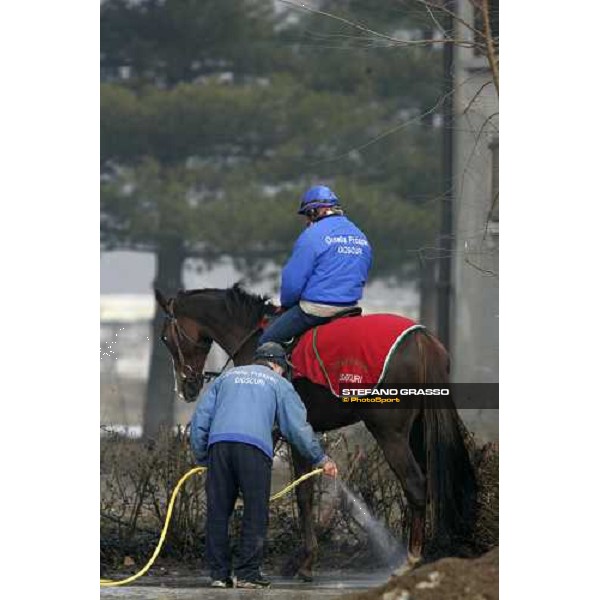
(163, 533)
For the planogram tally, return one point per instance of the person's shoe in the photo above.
(222, 583)
(261, 582)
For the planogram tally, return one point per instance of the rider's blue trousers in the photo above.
(291, 323)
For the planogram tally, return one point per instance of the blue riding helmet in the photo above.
(317, 196)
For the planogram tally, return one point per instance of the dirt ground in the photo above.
(445, 579)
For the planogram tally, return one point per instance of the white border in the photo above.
(50, 291)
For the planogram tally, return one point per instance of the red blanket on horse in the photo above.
(349, 351)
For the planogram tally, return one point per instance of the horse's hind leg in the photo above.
(395, 443)
(304, 497)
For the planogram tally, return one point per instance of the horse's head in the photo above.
(188, 344)
(232, 317)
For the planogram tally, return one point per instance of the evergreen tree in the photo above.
(215, 115)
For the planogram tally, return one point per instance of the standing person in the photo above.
(231, 433)
(327, 271)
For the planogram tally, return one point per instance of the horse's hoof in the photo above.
(412, 561)
(304, 576)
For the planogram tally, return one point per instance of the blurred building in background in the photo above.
(125, 347)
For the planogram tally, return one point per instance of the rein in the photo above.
(252, 333)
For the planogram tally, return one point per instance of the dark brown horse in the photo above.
(424, 446)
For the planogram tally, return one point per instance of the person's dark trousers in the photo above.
(235, 467)
(291, 323)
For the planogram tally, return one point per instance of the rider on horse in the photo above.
(327, 271)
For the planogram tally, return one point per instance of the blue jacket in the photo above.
(243, 404)
(329, 264)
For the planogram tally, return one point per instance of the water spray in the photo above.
(385, 545)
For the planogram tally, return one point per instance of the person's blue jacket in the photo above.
(243, 405)
(329, 264)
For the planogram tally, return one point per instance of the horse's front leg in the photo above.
(304, 497)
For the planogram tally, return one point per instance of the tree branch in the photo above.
(489, 44)
(441, 7)
(377, 34)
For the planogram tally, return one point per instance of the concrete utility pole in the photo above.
(445, 238)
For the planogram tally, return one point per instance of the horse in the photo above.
(424, 446)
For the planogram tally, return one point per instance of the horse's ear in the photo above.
(162, 301)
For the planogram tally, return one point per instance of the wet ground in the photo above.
(325, 587)
(445, 579)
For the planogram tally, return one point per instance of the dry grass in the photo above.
(136, 483)
(486, 530)
(137, 480)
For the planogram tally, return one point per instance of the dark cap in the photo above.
(272, 352)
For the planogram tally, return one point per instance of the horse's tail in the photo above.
(451, 484)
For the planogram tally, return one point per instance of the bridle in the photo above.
(205, 376)
(192, 374)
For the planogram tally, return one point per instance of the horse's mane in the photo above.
(240, 304)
